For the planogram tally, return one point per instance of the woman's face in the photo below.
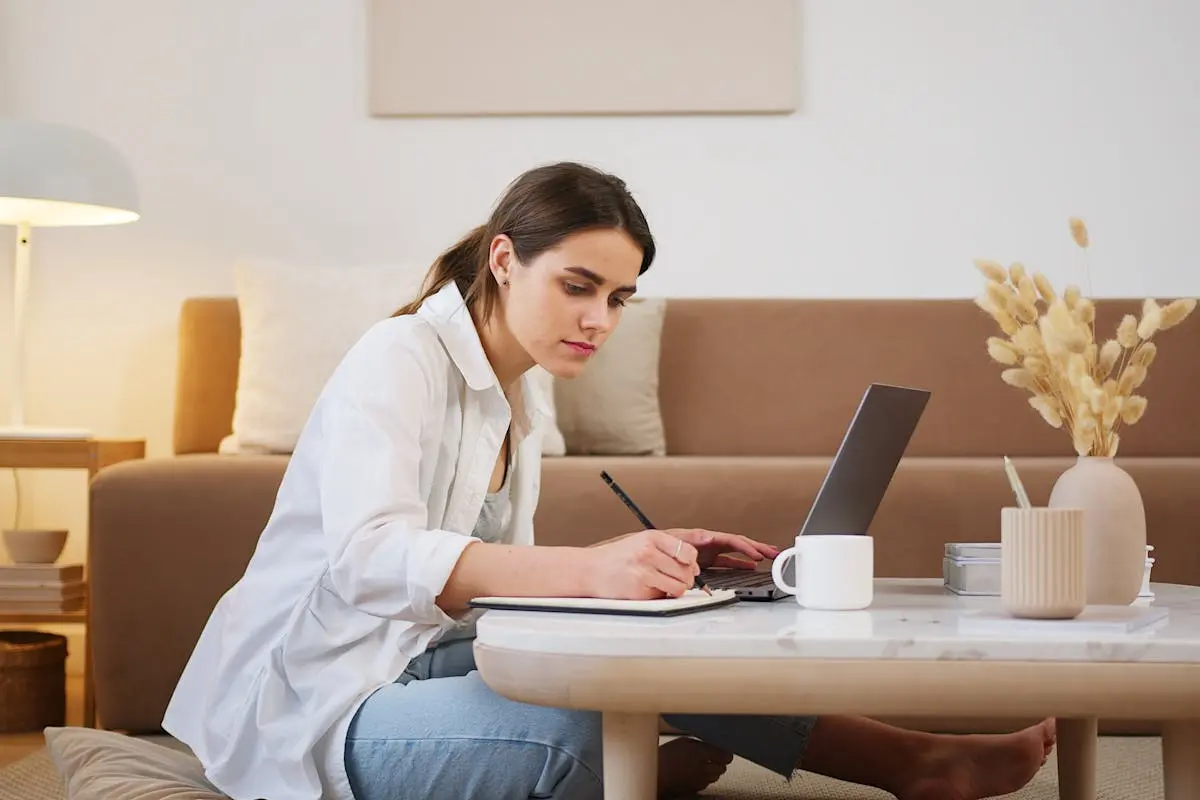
(562, 305)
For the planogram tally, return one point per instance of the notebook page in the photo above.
(692, 598)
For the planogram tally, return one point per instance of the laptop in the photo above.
(853, 486)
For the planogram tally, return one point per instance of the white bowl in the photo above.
(35, 545)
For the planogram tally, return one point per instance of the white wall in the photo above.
(930, 132)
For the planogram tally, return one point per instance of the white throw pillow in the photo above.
(104, 765)
(297, 325)
(613, 407)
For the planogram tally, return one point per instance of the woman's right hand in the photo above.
(647, 565)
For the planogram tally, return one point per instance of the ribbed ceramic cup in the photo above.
(1042, 562)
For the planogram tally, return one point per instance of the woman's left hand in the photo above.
(718, 549)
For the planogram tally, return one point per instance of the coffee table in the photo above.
(917, 652)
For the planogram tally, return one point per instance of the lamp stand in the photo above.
(18, 428)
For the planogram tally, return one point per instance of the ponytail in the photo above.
(464, 263)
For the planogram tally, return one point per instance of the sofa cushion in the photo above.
(102, 765)
(613, 408)
(297, 324)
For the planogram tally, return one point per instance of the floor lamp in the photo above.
(53, 175)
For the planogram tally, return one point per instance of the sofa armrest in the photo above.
(167, 538)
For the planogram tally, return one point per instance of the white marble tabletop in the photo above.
(909, 619)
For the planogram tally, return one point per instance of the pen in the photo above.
(1014, 480)
(641, 517)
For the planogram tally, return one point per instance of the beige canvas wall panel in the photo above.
(490, 57)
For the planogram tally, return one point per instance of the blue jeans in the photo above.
(440, 732)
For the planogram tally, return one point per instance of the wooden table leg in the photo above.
(630, 756)
(1077, 758)
(1181, 770)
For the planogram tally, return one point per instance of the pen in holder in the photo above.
(1014, 480)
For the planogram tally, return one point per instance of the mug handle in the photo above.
(777, 570)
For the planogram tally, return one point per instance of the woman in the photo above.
(340, 664)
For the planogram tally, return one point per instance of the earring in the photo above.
(505, 282)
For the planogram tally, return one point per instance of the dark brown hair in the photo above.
(539, 209)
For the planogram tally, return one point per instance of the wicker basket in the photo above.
(33, 680)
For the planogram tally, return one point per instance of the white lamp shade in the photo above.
(55, 175)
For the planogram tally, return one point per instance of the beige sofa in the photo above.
(754, 404)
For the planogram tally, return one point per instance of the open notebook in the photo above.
(691, 600)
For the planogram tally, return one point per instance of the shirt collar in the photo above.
(447, 311)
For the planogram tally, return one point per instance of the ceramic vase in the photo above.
(1114, 527)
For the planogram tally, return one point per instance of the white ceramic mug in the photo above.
(833, 572)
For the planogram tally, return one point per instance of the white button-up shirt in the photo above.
(378, 501)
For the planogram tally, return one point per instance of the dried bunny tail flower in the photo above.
(1051, 339)
(1132, 409)
(991, 270)
(1092, 394)
(1176, 312)
(1111, 411)
(1127, 331)
(1131, 378)
(1110, 388)
(1001, 295)
(1027, 291)
(1144, 355)
(1024, 310)
(1076, 369)
(1019, 377)
(1028, 339)
(1044, 288)
(1016, 272)
(1084, 430)
(1079, 232)
(985, 304)
(1085, 311)
(1085, 418)
(1048, 411)
(1039, 366)
(1060, 315)
(1109, 353)
(1071, 296)
(1062, 325)
(1005, 320)
(1001, 350)
(1150, 324)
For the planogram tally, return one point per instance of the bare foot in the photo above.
(979, 766)
(688, 766)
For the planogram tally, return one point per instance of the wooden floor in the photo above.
(15, 746)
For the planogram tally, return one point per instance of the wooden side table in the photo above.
(92, 455)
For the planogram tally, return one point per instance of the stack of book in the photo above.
(41, 588)
(973, 568)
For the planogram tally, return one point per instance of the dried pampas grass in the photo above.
(1049, 349)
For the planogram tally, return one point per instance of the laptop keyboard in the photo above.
(734, 578)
